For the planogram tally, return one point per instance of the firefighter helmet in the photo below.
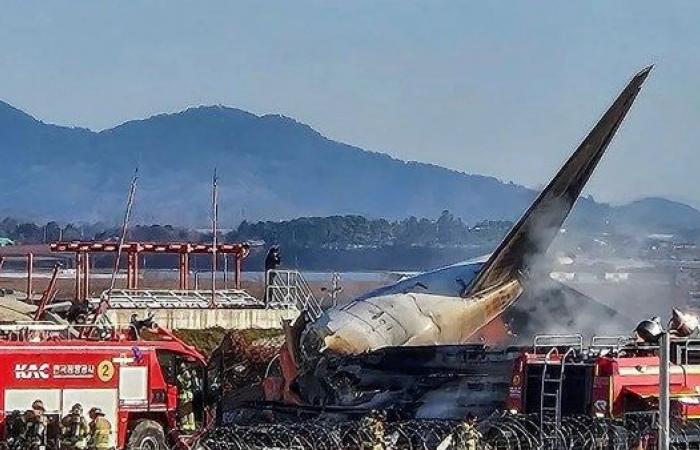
(38, 405)
(95, 411)
(377, 414)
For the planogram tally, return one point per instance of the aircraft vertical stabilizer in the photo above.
(538, 227)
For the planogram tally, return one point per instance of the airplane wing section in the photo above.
(538, 227)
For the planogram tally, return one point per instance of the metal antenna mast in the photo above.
(214, 219)
(122, 237)
(104, 302)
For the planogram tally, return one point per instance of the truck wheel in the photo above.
(147, 435)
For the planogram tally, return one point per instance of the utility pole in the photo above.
(214, 219)
(664, 391)
(225, 271)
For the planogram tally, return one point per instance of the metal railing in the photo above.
(686, 350)
(178, 298)
(547, 341)
(289, 289)
(610, 342)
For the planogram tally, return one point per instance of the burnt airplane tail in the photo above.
(538, 227)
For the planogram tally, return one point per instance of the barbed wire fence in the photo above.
(501, 431)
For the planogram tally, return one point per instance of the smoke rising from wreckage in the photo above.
(401, 347)
(449, 305)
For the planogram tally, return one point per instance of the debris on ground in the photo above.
(207, 340)
(243, 356)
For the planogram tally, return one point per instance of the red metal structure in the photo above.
(30, 271)
(48, 295)
(133, 381)
(83, 250)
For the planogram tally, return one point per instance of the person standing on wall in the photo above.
(272, 262)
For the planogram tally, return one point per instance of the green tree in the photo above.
(52, 232)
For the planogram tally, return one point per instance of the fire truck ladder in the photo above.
(553, 373)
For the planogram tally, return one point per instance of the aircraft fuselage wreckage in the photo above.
(449, 305)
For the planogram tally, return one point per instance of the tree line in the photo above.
(348, 232)
(52, 231)
(331, 233)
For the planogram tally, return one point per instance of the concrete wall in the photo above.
(197, 319)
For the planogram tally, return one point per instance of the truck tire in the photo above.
(147, 435)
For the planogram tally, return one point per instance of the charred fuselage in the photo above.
(416, 382)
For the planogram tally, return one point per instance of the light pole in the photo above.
(664, 391)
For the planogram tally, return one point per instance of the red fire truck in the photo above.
(133, 381)
(612, 377)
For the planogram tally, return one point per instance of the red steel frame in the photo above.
(83, 249)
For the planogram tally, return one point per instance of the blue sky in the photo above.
(502, 88)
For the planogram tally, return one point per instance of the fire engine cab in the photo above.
(133, 381)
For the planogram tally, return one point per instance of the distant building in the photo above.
(6, 241)
(660, 237)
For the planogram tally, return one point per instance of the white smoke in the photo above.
(548, 307)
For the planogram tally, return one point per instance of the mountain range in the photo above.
(270, 167)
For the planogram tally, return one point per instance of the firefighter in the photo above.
(14, 429)
(78, 312)
(100, 430)
(272, 262)
(34, 436)
(136, 325)
(74, 429)
(465, 436)
(186, 384)
(373, 431)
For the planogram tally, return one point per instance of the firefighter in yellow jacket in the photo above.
(373, 431)
(74, 429)
(186, 385)
(465, 436)
(100, 430)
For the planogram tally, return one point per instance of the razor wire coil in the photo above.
(501, 431)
